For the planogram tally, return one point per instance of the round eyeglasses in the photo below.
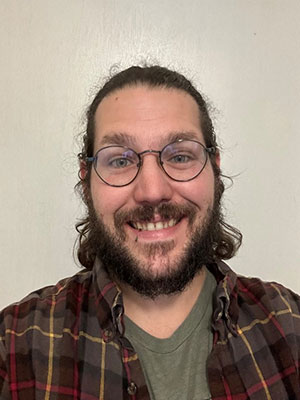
(182, 160)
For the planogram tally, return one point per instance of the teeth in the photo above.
(171, 223)
(139, 225)
(159, 225)
(150, 226)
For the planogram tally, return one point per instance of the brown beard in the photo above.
(124, 268)
(144, 214)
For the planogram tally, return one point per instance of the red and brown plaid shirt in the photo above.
(67, 342)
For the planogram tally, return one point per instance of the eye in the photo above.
(120, 163)
(180, 159)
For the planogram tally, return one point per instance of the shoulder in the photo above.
(270, 294)
(267, 304)
(247, 294)
(37, 305)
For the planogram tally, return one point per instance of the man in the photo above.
(156, 313)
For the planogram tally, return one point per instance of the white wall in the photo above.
(245, 55)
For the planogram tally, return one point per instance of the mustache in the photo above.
(147, 213)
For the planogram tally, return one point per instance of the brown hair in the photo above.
(230, 238)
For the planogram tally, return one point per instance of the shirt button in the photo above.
(107, 335)
(132, 388)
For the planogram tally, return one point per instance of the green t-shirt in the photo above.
(175, 368)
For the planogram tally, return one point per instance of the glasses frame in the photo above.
(93, 160)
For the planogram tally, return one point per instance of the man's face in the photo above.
(149, 118)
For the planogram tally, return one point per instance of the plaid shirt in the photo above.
(66, 342)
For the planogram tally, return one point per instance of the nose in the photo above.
(152, 185)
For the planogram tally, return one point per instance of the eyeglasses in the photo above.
(182, 161)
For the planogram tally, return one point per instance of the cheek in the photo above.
(106, 199)
(200, 191)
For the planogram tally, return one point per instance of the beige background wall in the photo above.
(245, 55)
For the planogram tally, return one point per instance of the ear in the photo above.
(82, 170)
(218, 158)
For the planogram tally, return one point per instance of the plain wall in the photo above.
(244, 55)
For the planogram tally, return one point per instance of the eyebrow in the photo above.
(123, 139)
(173, 136)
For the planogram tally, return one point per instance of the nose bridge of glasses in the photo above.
(150, 151)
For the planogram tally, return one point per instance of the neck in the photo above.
(160, 317)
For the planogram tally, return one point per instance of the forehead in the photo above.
(145, 116)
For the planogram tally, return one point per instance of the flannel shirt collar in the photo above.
(225, 307)
(108, 302)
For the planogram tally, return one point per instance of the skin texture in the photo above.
(150, 118)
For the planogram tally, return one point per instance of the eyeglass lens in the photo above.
(181, 160)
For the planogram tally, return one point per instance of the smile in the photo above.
(154, 226)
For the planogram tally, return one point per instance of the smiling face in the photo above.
(154, 219)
